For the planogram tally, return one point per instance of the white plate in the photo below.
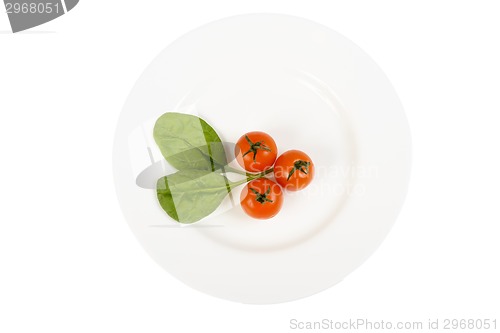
(311, 89)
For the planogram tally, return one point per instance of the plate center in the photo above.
(299, 112)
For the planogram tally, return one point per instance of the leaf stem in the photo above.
(233, 170)
(250, 176)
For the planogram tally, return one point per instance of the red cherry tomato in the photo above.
(294, 170)
(261, 198)
(256, 151)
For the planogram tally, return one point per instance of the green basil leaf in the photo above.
(188, 142)
(189, 195)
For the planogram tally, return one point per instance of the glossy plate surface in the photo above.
(311, 89)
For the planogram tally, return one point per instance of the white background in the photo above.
(69, 263)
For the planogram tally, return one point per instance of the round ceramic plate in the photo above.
(311, 89)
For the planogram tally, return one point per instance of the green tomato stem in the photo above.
(252, 176)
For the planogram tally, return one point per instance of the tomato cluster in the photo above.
(293, 170)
